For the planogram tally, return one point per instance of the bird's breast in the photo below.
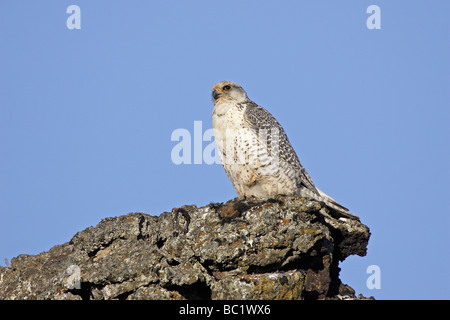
(227, 116)
(228, 122)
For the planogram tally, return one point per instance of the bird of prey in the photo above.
(256, 153)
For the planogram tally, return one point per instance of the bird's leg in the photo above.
(252, 180)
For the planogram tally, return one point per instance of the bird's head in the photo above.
(227, 91)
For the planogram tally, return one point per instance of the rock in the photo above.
(284, 248)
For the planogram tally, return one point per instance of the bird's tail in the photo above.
(335, 208)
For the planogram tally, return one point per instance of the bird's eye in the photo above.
(226, 88)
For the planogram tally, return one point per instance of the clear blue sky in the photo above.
(86, 117)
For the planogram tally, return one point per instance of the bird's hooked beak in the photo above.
(216, 94)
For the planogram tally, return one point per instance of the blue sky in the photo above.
(86, 117)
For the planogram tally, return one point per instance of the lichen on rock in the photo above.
(283, 248)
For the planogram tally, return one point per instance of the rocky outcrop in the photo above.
(284, 248)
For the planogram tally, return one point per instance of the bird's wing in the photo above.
(259, 118)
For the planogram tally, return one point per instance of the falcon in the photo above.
(256, 153)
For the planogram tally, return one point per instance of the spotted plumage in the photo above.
(255, 150)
